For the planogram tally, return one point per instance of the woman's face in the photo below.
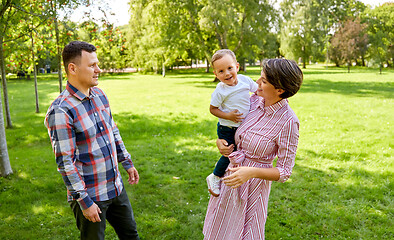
(267, 90)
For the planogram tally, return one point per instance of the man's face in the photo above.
(87, 69)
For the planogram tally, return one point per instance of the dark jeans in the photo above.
(117, 211)
(226, 133)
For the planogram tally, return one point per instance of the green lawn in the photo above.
(341, 187)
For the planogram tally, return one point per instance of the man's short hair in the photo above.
(73, 51)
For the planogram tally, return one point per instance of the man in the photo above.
(88, 149)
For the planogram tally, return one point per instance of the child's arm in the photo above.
(234, 116)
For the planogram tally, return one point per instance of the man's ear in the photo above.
(72, 68)
(237, 66)
(280, 91)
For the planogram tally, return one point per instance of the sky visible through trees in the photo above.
(122, 17)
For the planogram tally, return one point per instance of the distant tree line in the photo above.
(345, 32)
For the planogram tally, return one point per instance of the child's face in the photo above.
(226, 70)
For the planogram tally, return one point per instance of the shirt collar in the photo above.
(78, 94)
(274, 107)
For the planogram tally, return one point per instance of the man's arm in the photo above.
(62, 135)
(124, 156)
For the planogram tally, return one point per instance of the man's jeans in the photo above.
(117, 211)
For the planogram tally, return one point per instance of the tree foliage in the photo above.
(306, 26)
(349, 42)
(163, 31)
(381, 33)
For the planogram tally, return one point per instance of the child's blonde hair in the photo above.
(221, 53)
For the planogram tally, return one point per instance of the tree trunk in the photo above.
(164, 69)
(242, 65)
(5, 166)
(207, 69)
(4, 82)
(35, 73)
(59, 58)
(348, 67)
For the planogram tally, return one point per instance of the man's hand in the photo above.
(235, 116)
(133, 176)
(92, 213)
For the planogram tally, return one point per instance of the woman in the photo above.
(269, 130)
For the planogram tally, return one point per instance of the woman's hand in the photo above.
(223, 148)
(239, 176)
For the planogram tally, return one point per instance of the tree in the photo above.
(5, 166)
(349, 41)
(163, 31)
(307, 25)
(381, 33)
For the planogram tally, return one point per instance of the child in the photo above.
(230, 103)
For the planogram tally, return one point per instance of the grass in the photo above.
(341, 187)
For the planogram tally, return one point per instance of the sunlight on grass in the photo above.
(23, 175)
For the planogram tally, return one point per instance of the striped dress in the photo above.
(266, 132)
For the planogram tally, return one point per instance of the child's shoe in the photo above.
(213, 184)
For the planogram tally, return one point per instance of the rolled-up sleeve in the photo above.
(62, 135)
(287, 142)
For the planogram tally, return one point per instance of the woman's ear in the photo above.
(280, 91)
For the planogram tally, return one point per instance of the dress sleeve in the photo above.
(62, 135)
(287, 141)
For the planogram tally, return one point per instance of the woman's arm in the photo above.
(242, 174)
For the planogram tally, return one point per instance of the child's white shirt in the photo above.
(228, 98)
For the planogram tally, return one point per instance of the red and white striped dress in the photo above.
(267, 132)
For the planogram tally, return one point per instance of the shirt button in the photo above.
(107, 142)
(95, 114)
(101, 128)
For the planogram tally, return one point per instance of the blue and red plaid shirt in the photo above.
(87, 145)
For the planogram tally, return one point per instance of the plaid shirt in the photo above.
(87, 145)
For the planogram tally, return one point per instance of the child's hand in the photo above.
(235, 116)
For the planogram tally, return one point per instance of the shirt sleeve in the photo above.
(216, 98)
(62, 135)
(252, 85)
(288, 141)
(123, 156)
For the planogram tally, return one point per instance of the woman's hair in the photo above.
(283, 74)
(221, 53)
(73, 51)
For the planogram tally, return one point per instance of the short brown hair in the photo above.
(74, 50)
(283, 74)
(221, 53)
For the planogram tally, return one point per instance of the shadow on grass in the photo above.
(359, 89)
(316, 201)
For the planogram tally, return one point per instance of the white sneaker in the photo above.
(213, 184)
